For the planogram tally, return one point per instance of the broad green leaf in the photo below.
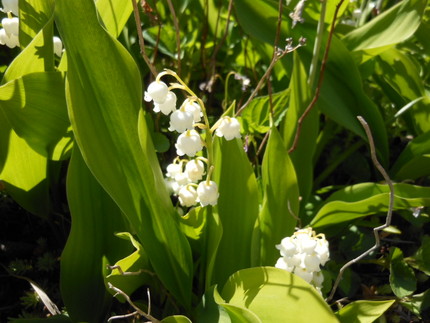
(357, 201)
(418, 303)
(91, 244)
(114, 14)
(402, 74)
(176, 319)
(133, 263)
(302, 156)
(240, 314)
(210, 310)
(402, 277)
(421, 259)
(391, 27)
(343, 99)
(363, 311)
(36, 108)
(38, 56)
(281, 197)
(104, 94)
(33, 15)
(256, 114)
(413, 162)
(276, 295)
(237, 207)
(23, 171)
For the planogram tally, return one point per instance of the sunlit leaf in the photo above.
(363, 311)
(402, 277)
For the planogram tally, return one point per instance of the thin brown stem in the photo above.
(177, 33)
(320, 81)
(141, 40)
(129, 301)
(389, 212)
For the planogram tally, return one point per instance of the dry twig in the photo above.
(389, 212)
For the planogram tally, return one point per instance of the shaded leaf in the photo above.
(276, 295)
(363, 311)
(402, 277)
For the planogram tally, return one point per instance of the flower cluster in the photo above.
(302, 254)
(9, 34)
(185, 177)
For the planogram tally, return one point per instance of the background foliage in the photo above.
(82, 158)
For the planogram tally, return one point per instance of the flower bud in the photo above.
(10, 6)
(187, 196)
(194, 108)
(169, 105)
(181, 121)
(207, 193)
(195, 170)
(189, 143)
(11, 26)
(10, 41)
(58, 46)
(229, 128)
(157, 92)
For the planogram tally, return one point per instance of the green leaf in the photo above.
(176, 319)
(421, 259)
(240, 314)
(114, 14)
(391, 27)
(35, 106)
(276, 295)
(133, 263)
(91, 244)
(302, 155)
(342, 98)
(256, 114)
(402, 277)
(280, 205)
(357, 201)
(23, 171)
(103, 93)
(363, 311)
(413, 162)
(38, 56)
(418, 303)
(33, 15)
(237, 207)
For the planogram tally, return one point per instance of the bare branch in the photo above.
(129, 301)
(320, 81)
(389, 212)
(141, 40)
(177, 32)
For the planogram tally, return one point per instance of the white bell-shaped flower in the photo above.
(10, 41)
(11, 26)
(194, 108)
(207, 193)
(282, 264)
(187, 196)
(157, 92)
(172, 186)
(318, 278)
(58, 46)
(195, 170)
(287, 247)
(168, 106)
(228, 128)
(181, 121)
(322, 250)
(304, 274)
(173, 169)
(10, 6)
(311, 263)
(189, 143)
